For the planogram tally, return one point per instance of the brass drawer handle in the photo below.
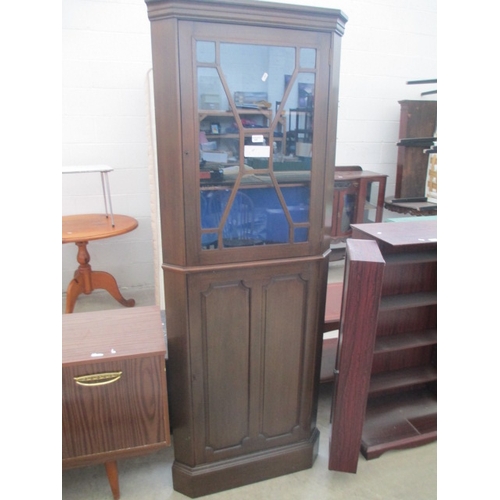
(98, 379)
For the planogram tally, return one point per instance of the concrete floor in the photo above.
(396, 475)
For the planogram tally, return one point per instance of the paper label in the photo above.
(257, 151)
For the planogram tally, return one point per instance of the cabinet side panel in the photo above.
(360, 301)
(178, 365)
(169, 138)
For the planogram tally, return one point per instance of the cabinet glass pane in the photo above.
(370, 212)
(348, 212)
(256, 112)
(205, 52)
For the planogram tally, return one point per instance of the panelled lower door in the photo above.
(253, 344)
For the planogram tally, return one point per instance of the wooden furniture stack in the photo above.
(418, 123)
(113, 387)
(401, 402)
(244, 320)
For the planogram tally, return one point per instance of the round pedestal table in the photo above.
(80, 229)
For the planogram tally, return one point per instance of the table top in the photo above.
(85, 169)
(101, 336)
(343, 175)
(417, 232)
(411, 207)
(86, 227)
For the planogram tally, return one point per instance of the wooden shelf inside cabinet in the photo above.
(401, 406)
(206, 113)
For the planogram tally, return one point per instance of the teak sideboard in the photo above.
(114, 393)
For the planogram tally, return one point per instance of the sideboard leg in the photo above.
(112, 473)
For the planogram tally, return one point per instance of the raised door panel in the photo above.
(226, 363)
(283, 335)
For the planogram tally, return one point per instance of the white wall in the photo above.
(386, 43)
(106, 59)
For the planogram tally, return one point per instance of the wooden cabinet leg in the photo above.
(112, 473)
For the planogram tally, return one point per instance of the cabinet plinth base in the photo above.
(219, 476)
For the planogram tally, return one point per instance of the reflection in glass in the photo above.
(372, 192)
(348, 212)
(205, 52)
(307, 58)
(211, 95)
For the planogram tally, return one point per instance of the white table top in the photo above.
(84, 169)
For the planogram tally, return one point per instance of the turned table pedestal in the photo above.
(80, 229)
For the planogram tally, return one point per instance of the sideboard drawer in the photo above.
(125, 413)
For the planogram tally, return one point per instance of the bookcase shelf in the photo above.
(388, 382)
(401, 420)
(403, 341)
(393, 302)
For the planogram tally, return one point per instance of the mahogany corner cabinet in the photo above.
(246, 98)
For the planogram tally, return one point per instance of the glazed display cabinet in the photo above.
(246, 98)
(358, 198)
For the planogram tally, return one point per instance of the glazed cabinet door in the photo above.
(254, 143)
